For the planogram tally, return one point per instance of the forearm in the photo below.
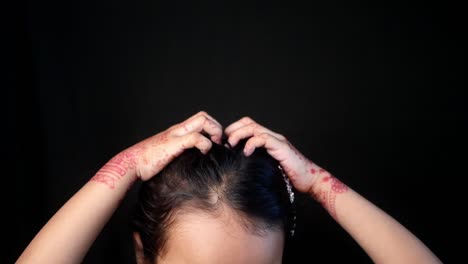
(382, 237)
(69, 234)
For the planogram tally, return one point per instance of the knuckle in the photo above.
(247, 119)
(202, 118)
(281, 136)
(211, 123)
(202, 113)
(255, 127)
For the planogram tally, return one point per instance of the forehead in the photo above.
(203, 238)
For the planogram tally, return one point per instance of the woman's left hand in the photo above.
(302, 172)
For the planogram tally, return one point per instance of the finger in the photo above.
(204, 114)
(250, 130)
(216, 139)
(198, 124)
(269, 142)
(212, 119)
(196, 140)
(238, 124)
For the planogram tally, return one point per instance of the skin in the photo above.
(383, 238)
(201, 238)
(224, 240)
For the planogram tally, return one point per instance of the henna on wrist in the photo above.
(116, 168)
(326, 190)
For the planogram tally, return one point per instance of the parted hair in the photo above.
(252, 186)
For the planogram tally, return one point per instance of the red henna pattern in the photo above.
(161, 162)
(117, 167)
(322, 198)
(163, 138)
(313, 171)
(337, 186)
(331, 204)
(105, 179)
(164, 159)
(111, 168)
(328, 198)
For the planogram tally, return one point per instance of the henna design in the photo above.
(328, 198)
(337, 186)
(163, 161)
(331, 204)
(105, 179)
(117, 167)
(164, 137)
(322, 198)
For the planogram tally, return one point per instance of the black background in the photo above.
(372, 92)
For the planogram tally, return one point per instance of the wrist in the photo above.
(317, 185)
(319, 180)
(326, 190)
(118, 171)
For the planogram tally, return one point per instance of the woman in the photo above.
(212, 218)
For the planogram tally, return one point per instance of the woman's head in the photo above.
(221, 207)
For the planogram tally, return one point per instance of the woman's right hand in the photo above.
(158, 151)
(148, 157)
(68, 235)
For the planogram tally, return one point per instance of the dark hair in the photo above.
(253, 186)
